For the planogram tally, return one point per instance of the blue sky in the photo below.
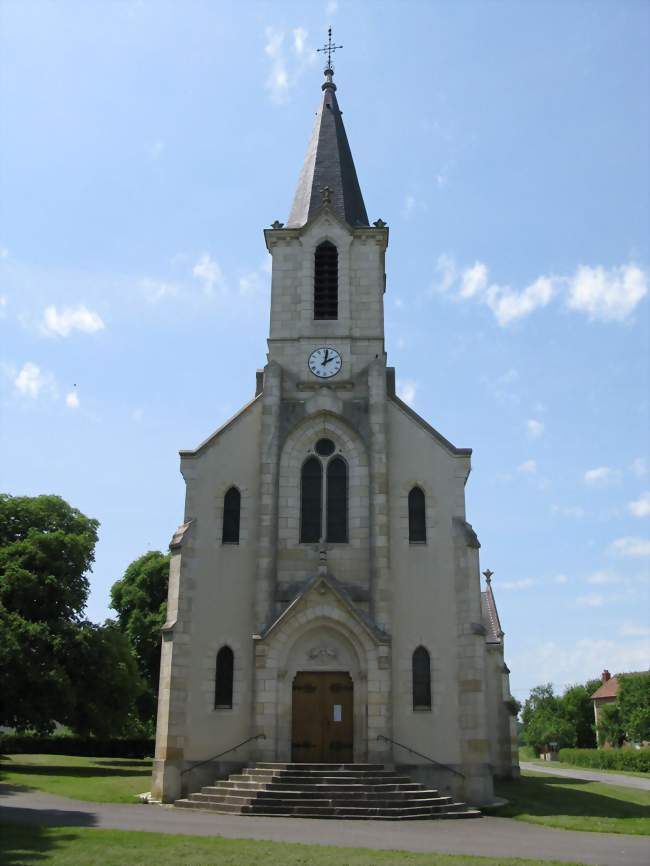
(144, 147)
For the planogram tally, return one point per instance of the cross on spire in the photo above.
(329, 48)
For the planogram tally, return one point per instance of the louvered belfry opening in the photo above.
(326, 281)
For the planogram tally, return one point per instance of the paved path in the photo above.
(496, 837)
(589, 775)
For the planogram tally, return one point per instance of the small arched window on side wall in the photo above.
(311, 500)
(417, 516)
(326, 281)
(337, 500)
(223, 679)
(421, 679)
(231, 516)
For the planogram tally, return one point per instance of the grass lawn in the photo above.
(573, 804)
(562, 766)
(101, 780)
(22, 845)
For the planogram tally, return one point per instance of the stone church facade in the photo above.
(325, 594)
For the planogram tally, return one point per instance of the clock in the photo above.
(325, 362)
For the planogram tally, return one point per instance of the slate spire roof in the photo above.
(328, 164)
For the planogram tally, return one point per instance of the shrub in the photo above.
(637, 760)
(82, 746)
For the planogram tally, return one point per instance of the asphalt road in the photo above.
(589, 775)
(496, 837)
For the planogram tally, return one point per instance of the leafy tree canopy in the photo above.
(54, 666)
(634, 704)
(140, 599)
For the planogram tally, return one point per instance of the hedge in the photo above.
(637, 760)
(13, 744)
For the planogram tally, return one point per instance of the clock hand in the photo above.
(326, 359)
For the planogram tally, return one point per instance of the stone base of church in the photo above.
(170, 781)
(166, 781)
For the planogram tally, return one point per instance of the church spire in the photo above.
(328, 165)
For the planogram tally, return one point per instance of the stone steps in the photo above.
(361, 791)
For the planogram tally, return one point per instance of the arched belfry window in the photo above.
(231, 516)
(326, 281)
(421, 679)
(324, 495)
(337, 500)
(417, 516)
(311, 500)
(224, 678)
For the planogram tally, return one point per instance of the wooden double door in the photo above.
(322, 724)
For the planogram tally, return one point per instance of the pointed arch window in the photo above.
(326, 281)
(231, 516)
(223, 680)
(417, 516)
(311, 500)
(337, 500)
(421, 679)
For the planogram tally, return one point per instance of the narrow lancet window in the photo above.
(326, 281)
(337, 500)
(311, 500)
(421, 679)
(224, 678)
(231, 516)
(417, 516)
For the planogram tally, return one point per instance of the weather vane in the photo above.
(329, 48)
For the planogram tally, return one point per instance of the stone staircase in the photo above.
(368, 791)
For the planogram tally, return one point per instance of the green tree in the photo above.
(633, 701)
(46, 549)
(140, 599)
(610, 725)
(107, 681)
(54, 665)
(577, 708)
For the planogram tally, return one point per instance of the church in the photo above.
(325, 601)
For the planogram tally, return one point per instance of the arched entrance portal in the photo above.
(322, 718)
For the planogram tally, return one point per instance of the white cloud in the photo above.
(61, 324)
(509, 305)
(534, 428)
(446, 273)
(568, 510)
(156, 290)
(474, 280)
(72, 400)
(607, 295)
(523, 583)
(630, 629)
(4, 253)
(631, 546)
(603, 578)
(528, 467)
(286, 66)
(156, 148)
(572, 661)
(137, 414)
(639, 467)
(599, 475)
(31, 381)
(299, 38)
(560, 579)
(406, 391)
(331, 8)
(640, 507)
(3, 306)
(593, 600)
(209, 273)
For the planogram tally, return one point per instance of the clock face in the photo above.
(325, 362)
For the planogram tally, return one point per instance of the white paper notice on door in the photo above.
(338, 712)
